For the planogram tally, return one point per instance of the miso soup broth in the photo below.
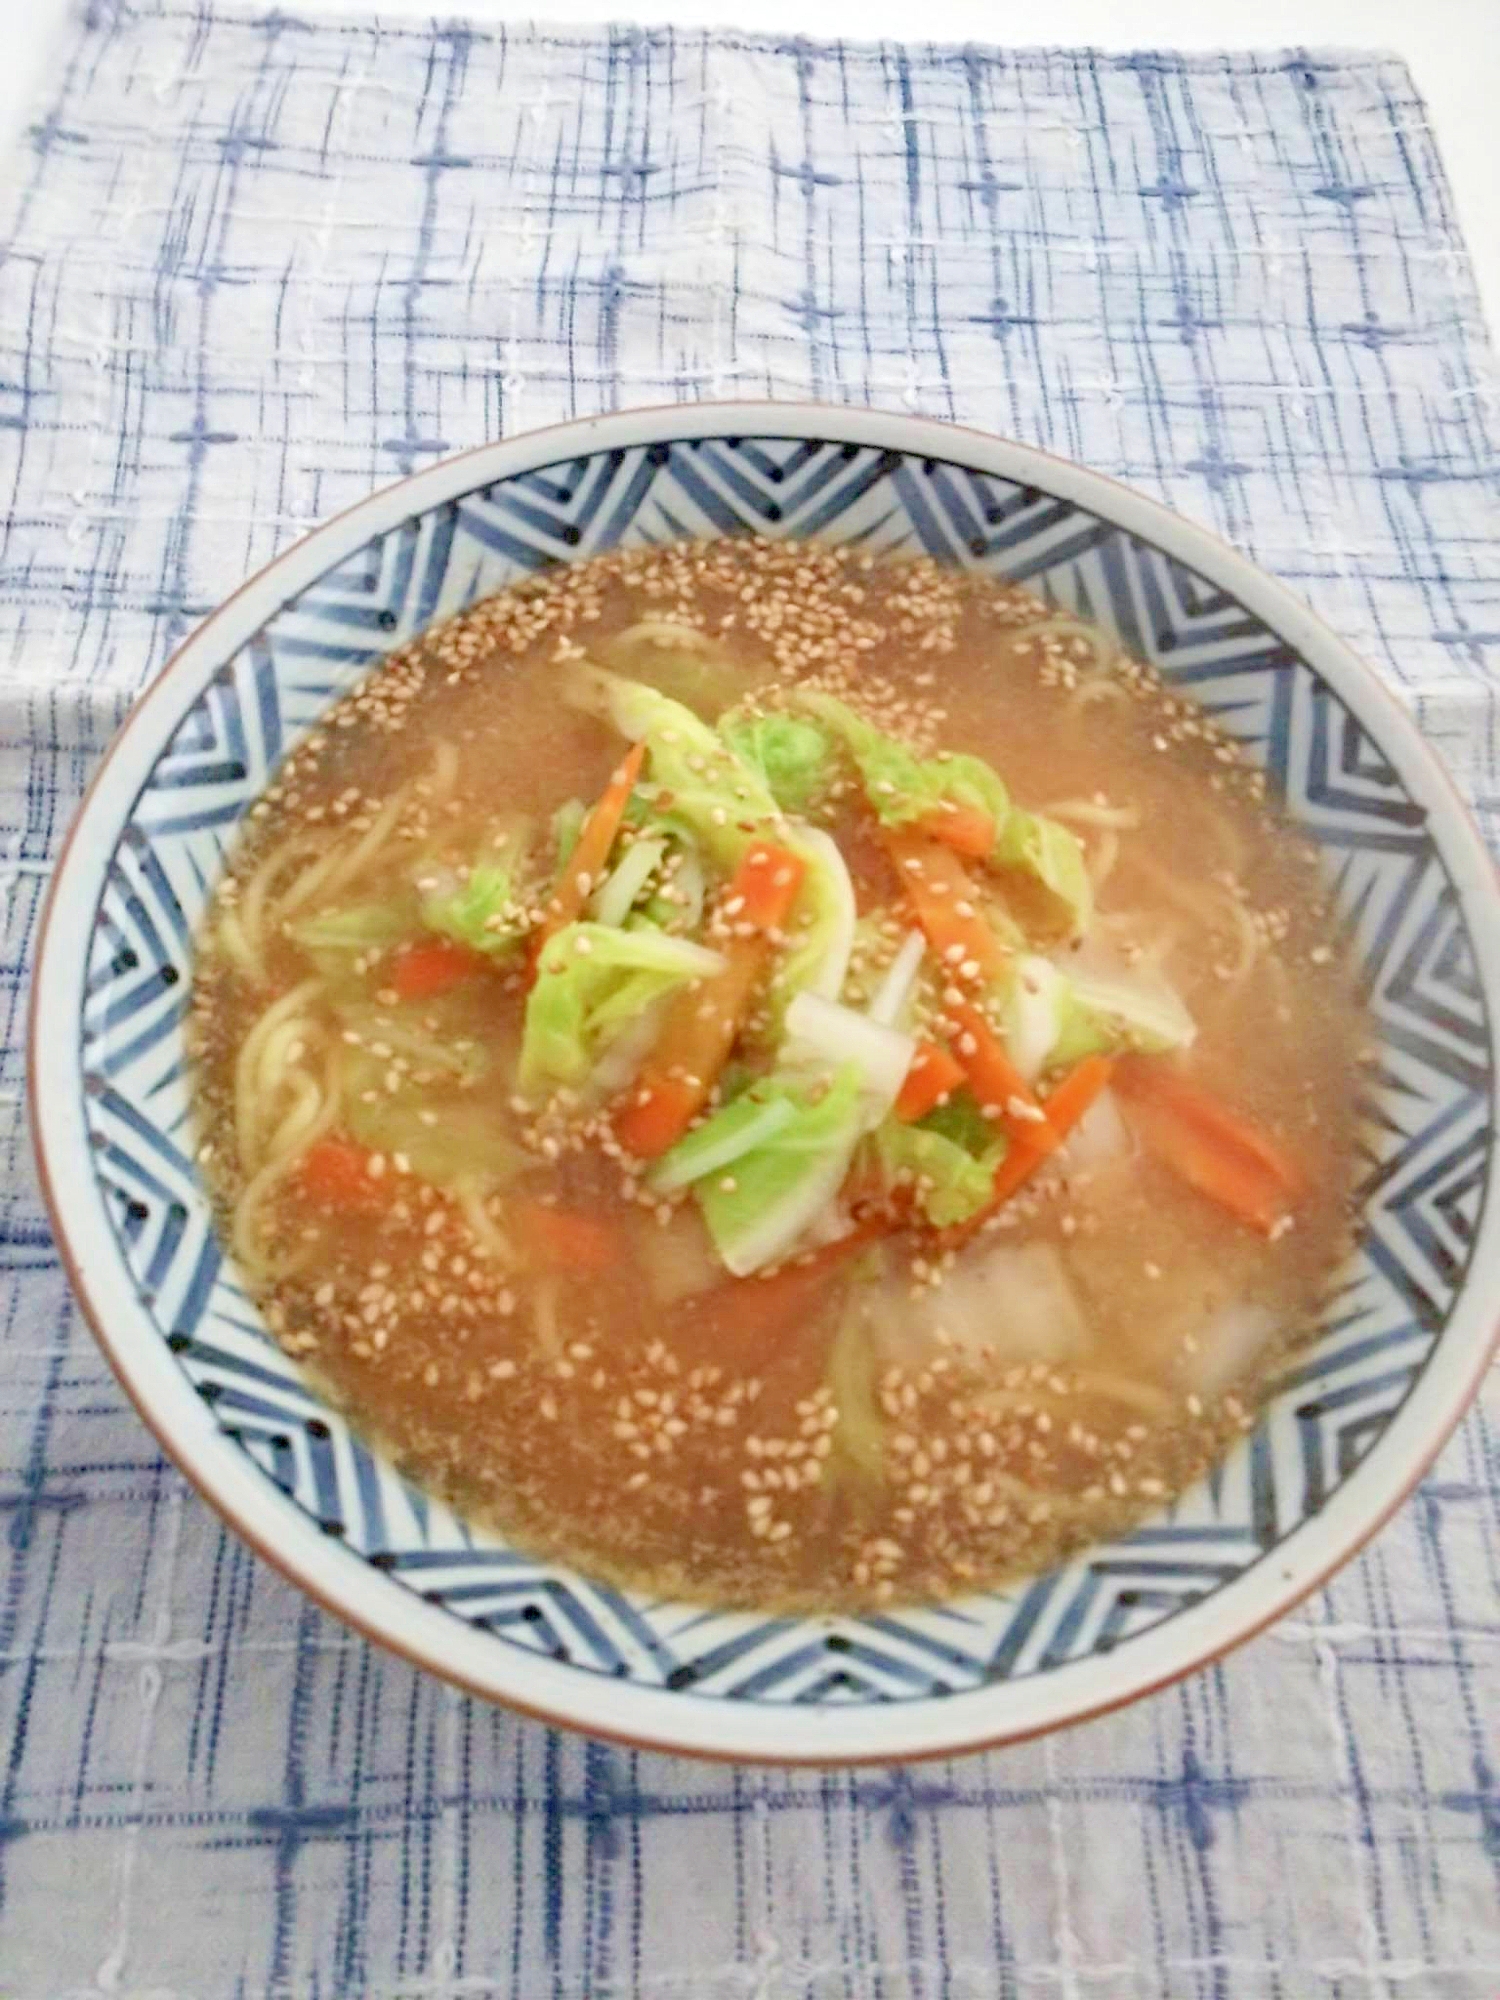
(784, 1078)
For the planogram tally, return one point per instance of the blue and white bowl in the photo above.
(1350, 1427)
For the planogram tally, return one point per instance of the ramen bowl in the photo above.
(1350, 1424)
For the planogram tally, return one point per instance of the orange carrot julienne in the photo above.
(656, 1113)
(704, 1018)
(968, 830)
(765, 886)
(1143, 1077)
(566, 1237)
(934, 1072)
(337, 1173)
(1065, 1108)
(945, 899)
(585, 865)
(996, 1082)
(1068, 1103)
(423, 971)
(1209, 1146)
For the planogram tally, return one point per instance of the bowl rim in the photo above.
(339, 1579)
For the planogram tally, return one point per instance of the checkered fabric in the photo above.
(253, 265)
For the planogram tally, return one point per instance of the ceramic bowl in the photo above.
(1349, 1427)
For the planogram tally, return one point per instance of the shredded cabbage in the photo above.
(859, 1434)
(950, 1183)
(1048, 878)
(725, 805)
(449, 1049)
(901, 785)
(790, 754)
(779, 1190)
(482, 911)
(721, 801)
(617, 895)
(1102, 1013)
(823, 921)
(821, 1031)
(593, 984)
(720, 1140)
(468, 1142)
(567, 824)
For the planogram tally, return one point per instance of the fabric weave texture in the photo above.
(252, 266)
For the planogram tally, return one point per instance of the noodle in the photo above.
(248, 1082)
(544, 1319)
(340, 867)
(489, 1238)
(1089, 812)
(1101, 861)
(671, 633)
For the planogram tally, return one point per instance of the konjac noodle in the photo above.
(781, 1077)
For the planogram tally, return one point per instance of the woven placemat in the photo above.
(256, 264)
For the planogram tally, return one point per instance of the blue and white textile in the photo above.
(253, 264)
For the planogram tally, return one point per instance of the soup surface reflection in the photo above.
(777, 1077)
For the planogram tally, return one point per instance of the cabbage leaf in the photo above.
(483, 911)
(789, 1182)
(594, 983)
(791, 755)
(951, 1183)
(1046, 876)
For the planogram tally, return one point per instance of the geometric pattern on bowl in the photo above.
(1424, 1174)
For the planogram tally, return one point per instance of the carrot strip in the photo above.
(934, 1072)
(564, 1236)
(968, 830)
(585, 865)
(1012, 1174)
(1065, 1108)
(703, 1020)
(1142, 1077)
(1208, 1146)
(765, 886)
(696, 1037)
(1068, 1104)
(946, 901)
(336, 1173)
(423, 971)
(996, 1082)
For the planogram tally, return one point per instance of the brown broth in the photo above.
(651, 1420)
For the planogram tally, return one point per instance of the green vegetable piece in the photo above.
(593, 983)
(725, 805)
(467, 1144)
(951, 1184)
(1049, 885)
(902, 786)
(1101, 1015)
(791, 755)
(780, 1188)
(452, 1049)
(961, 1121)
(483, 911)
(720, 800)
(567, 824)
(1047, 879)
(720, 1140)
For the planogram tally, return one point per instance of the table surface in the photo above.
(208, 1791)
(1452, 47)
